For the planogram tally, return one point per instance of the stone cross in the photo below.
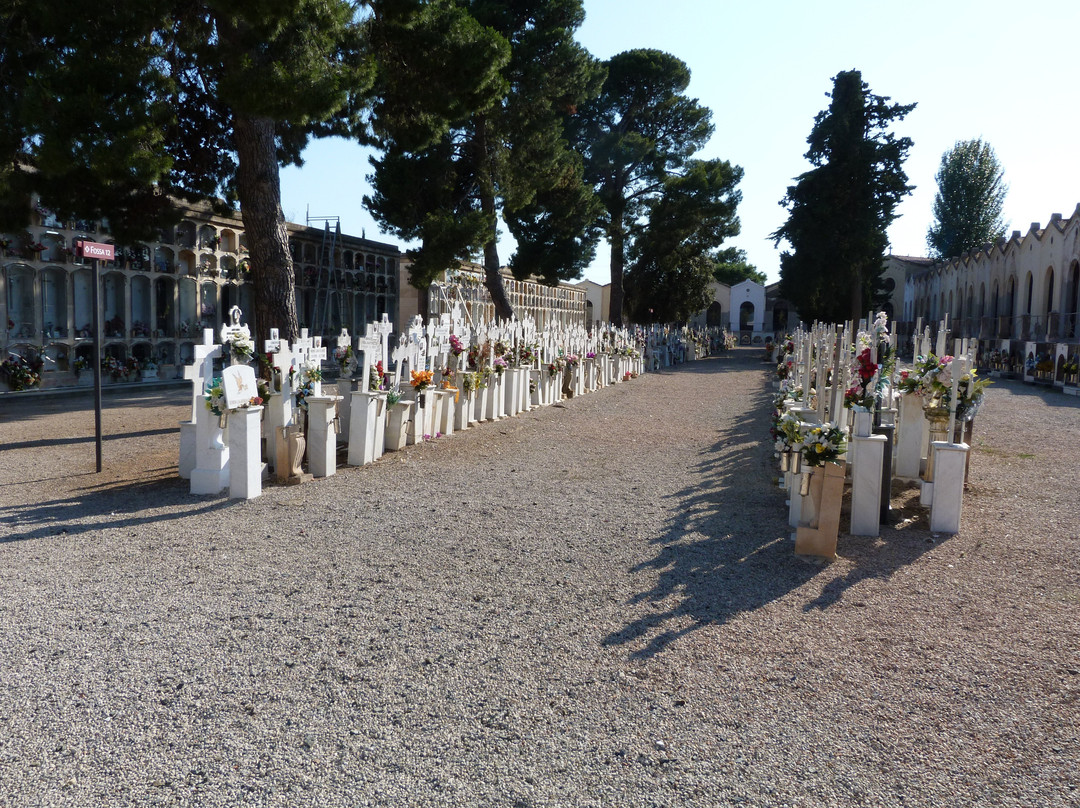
(201, 370)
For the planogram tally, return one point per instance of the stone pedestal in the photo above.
(279, 413)
(345, 389)
(948, 486)
(397, 421)
(867, 459)
(480, 402)
(463, 410)
(494, 397)
(512, 392)
(911, 438)
(322, 435)
(818, 537)
(211, 472)
(366, 440)
(245, 453)
(448, 410)
(187, 448)
(420, 422)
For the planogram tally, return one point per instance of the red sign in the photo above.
(102, 252)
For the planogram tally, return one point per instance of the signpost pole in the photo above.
(94, 251)
(97, 361)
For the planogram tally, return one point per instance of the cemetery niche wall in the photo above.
(157, 297)
(1016, 299)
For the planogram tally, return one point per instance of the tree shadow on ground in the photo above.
(106, 505)
(728, 549)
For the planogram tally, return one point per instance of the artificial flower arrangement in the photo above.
(526, 355)
(456, 347)
(862, 395)
(376, 374)
(572, 360)
(499, 364)
(113, 367)
(479, 355)
(932, 378)
(81, 363)
(821, 444)
(392, 397)
(20, 374)
(346, 359)
(420, 379)
(215, 396)
(241, 345)
(500, 349)
(468, 382)
(590, 355)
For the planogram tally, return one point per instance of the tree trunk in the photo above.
(857, 308)
(486, 182)
(617, 238)
(259, 188)
(494, 282)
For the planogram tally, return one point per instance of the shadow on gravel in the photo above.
(745, 559)
(104, 506)
(39, 444)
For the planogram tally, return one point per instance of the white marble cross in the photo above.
(201, 370)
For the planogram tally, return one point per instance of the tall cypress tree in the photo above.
(840, 210)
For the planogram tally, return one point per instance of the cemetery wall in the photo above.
(157, 296)
(1025, 288)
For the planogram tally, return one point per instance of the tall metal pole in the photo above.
(97, 361)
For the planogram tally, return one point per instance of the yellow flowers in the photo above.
(420, 379)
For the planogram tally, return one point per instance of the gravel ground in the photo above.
(594, 604)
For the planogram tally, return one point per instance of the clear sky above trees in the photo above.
(764, 70)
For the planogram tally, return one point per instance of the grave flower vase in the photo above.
(818, 533)
(938, 417)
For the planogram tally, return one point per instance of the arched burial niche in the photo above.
(746, 316)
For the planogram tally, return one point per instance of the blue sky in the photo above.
(976, 69)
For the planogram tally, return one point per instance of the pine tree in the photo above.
(638, 136)
(486, 138)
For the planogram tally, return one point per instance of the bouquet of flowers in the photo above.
(241, 345)
(375, 376)
(932, 378)
(861, 396)
(421, 379)
(468, 382)
(20, 374)
(346, 359)
(499, 364)
(215, 396)
(456, 347)
(113, 367)
(572, 360)
(81, 363)
(822, 443)
(526, 355)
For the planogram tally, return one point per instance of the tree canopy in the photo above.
(969, 202)
(115, 113)
(487, 139)
(638, 138)
(731, 267)
(840, 210)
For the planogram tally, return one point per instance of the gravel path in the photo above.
(595, 604)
